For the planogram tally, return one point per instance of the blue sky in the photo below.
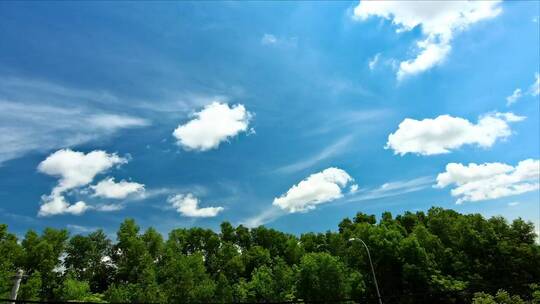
(293, 115)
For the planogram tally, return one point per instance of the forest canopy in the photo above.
(440, 256)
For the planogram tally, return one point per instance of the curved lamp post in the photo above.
(16, 283)
(372, 269)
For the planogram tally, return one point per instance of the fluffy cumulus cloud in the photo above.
(318, 188)
(188, 205)
(445, 133)
(478, 182)
(215, 123)
(73, 169)
(108, 188)
(438, 20)
(56, 204)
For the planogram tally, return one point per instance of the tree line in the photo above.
(438, 256)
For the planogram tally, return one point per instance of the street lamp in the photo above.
(16, 283)
(372, 269)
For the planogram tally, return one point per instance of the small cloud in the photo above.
(534, 89)
(393, 188)
(268, 39)
(318, 188)
(272, 40)
(490, 180)
(188, 205)
(328, 152)
(512, 204)
(514, 97)
(109, 207)
(113, 121)
(374, 61)
(445, 133)
(108, 188)
(81, 229)
(266, 216)
(215, 123)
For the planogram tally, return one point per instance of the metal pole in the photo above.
(16, 283)
(372, 269)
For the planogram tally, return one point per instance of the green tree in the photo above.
(184, 278)
(321, 277)
(42, 254)
(135, 266)
(10, 253)
(89, 259)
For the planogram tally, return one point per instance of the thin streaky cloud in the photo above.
(328, 152)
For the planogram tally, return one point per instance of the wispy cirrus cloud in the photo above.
(394, 188)
(326, 153)
(41, 116)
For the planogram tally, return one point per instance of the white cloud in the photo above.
(318, 188)
(328, 152)
(77, 169)
(188, 205)
(373, 61)
(108, 188)
(266, 216)
(109, 207)
(41, 116)
(355, 195)
(514, 97)
(431, 55)
(74, 169)
(273, 40)
(216, 123)
(268, 39)
(439, 22)
(490, 180)
(512, 204)
(56, 204)
(114, 121)
(394, 188)
(534, 90)
(445, 133)
(81, 229)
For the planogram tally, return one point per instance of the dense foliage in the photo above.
(438, 257)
